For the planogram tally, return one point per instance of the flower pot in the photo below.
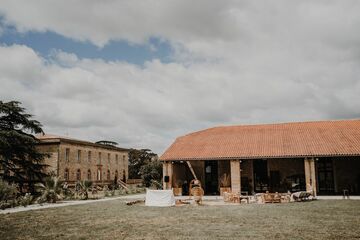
(224, 189)
(177, 191)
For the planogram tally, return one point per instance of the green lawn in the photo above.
(332, 219)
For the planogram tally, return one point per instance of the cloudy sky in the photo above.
(144, 72)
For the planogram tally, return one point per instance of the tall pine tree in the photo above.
(20, 162)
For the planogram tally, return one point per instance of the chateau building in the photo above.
(75, 160)
(322, 157)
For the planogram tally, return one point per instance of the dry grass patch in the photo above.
(335, 219)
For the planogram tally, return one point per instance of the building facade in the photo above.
(322, 157)
(76, 160)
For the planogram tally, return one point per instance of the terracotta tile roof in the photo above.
(322, 138)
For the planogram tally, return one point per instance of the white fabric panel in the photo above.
(159, 198)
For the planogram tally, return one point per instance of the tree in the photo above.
(20, 162)
(138, 158)
(151, 172)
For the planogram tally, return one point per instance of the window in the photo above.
(108, 175)
(99, 159)
(89, 175)
(66, 174)
(89, 156)
(124, 176)
(99, 174)
(78, 175)
(108, 158)
(67, 154)
(117, 158)
(79, 155)
(116, 175)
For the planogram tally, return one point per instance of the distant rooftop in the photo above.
(298, 139)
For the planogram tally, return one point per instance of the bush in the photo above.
(155, 184)
(106, 191)
(50, 191)
(4, 205)
(25, 200)
(7, 191)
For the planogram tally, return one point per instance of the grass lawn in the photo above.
(332, 219)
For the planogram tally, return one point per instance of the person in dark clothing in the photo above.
(185, 188)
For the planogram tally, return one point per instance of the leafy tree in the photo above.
(151, 172)
(138, 158)
(20, 162)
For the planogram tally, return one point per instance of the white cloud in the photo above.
(234, 62)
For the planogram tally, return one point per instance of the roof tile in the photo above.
(322, 138)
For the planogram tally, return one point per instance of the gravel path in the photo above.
(69, 203)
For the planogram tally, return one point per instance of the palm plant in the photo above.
(225, 180)
(84, 188)
(50, 190)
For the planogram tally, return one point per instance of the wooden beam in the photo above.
(191, 169)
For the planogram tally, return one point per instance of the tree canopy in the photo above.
(138, 158)
(20, 162)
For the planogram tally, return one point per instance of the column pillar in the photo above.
(235, 176)
(313, 176)
(310, 175)
(167, 171)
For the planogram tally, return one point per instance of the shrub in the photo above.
(4, 205)
(7, 191)
(50, 191)
(83, 189)
(155, 184)
(25, 200)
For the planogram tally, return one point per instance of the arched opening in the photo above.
(116, 177)
(108, 175)
(66, 174)
(89, 175)
(124, 176)
(78, 175)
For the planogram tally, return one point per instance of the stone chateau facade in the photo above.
(76, 160)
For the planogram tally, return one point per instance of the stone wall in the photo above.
(59, 163)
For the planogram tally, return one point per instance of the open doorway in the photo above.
(325, 176)
(261, 182)
(211, 178)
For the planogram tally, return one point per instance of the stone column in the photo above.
(235, 176)
(310, 175)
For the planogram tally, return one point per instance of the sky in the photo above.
(142, 73)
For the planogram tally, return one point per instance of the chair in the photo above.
(301, 196)
(268, 198)
(276, 198)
